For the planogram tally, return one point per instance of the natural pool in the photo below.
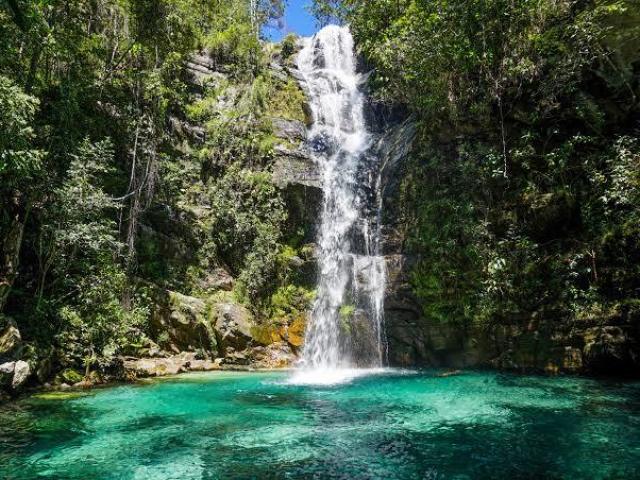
(394, 425)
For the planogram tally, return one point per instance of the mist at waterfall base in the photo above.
(404, 425)
(344, 337)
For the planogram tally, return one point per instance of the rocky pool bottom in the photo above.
(391, 425)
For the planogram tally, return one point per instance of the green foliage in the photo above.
(20, 161)
(96, 325)
(88, 90)
(290, 302)
(347, 311)
(288, 46)
(75, 228)
(286, 100)
(246, 224)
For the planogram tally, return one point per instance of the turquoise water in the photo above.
(396, 425)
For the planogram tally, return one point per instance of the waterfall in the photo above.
(345, 327)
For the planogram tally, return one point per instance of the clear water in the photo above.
(394, 425)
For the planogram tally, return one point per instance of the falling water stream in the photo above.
(345, 330)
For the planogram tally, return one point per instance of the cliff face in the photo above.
(601, 341)
(210, 311)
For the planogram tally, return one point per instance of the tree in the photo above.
(20, 174)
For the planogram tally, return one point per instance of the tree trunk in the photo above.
(11, 252)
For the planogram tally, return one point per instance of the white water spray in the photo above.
(345, 329)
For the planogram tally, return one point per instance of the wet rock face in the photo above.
(297, 175)
(611, 349)
(293, 131)
(407, 341)
(295, 167)
(275, 355)
(536, 346)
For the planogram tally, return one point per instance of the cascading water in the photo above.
(345, 328)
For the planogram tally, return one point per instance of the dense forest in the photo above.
(123, 178)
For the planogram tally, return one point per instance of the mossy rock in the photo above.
(287, 101)
(295, 332)
(265, 334)
(59, 395)
(70, 376)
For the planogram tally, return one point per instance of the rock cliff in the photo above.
(601, 342)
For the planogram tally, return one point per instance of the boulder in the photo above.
(10, 342)
(276, 355)
(21, 373)
(294, 333)
(204, 365)
(182, 323)
(239, 358)
(6, 373)
(156, 367)
(217, 279)
(7, 367)
(148, 348)
(233, 326)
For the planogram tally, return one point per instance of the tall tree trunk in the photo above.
(11, 251)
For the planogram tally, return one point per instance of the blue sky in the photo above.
(297, 20)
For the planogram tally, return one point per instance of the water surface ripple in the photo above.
(392, 425)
